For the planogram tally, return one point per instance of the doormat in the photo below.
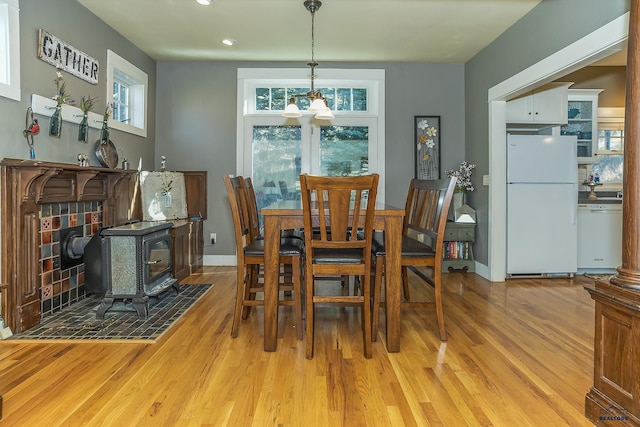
(78, 322)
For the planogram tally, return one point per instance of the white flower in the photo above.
(463, 175)
(423, 124)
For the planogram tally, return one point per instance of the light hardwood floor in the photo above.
(519, 354)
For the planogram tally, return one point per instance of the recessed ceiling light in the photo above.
(229, 42)
(205, 2)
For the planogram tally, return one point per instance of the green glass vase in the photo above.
(55, 124)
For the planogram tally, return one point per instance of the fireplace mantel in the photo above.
(25, 184)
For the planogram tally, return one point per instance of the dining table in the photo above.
(288, 214)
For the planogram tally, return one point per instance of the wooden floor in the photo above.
(519, 354)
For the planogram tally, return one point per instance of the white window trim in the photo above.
(138, 94)
(11, 90)
(250, 78)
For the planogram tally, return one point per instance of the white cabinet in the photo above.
(547, 105)
(582, 122)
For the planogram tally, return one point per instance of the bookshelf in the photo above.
(458, 247)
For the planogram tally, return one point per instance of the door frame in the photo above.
(606, 40)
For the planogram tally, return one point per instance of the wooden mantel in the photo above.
(24, 185)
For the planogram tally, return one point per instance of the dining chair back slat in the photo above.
(332, 209)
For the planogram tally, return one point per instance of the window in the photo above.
(10, 49)
(610, 154)
(127, 91)
(274, 150)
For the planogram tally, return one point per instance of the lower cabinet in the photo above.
(180, 235)
(196, 246)
(188, 247)
(458, 251)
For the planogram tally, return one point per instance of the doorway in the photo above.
(601, 43)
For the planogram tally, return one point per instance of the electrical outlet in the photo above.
(485, 179)
(212, 237)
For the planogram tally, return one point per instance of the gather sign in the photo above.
(64, 56)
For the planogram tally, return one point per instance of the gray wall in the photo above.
(196, 124)
(75, 25)
(549, 27)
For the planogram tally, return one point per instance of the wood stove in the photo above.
(136, 265)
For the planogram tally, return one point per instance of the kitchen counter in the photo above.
(604, 197)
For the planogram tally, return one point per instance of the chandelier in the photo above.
(319, 105)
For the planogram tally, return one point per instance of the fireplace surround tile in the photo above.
(63, 287)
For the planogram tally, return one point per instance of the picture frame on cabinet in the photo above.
(427, 147)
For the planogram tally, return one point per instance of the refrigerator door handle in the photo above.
(575, 204)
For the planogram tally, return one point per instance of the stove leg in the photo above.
(141, 306)
(105, 305)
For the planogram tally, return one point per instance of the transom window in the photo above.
(338, 98)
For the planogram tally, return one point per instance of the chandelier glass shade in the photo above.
(319, 104)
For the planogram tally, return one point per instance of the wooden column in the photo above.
(614, 398)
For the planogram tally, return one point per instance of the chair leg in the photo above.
(439, 311)
(237, 313)
(297, 291)
(405, 283)
(310, 315)
(251, 280)
(377, 291)
(366, 315)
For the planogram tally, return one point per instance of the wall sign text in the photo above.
(60, 54)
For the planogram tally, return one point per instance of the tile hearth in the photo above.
(78, 321)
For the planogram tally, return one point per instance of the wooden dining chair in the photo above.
(425, 218)
(250, 258)
(338, 203)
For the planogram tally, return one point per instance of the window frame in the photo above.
(11, 17)
(138, 94)
(251, 78)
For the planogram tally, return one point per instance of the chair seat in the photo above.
(337, 256)
(410, 247)
(288, 247)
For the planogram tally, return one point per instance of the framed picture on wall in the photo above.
(427, 147)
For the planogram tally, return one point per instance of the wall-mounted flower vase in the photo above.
(55, 124)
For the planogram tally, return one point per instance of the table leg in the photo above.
(271, 267)
(393, 280)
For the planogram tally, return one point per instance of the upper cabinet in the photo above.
(547, 105)
(582, 113)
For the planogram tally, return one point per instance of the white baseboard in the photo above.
(219, 260)
(482, 270)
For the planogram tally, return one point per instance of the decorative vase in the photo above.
(459, 199)
(104, 132)
(55, 125)
(83, 130)
(168, 200)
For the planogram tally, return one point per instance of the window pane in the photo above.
(610, 139)
(276, 153)
(359, 100)
(343, 101)
(609, 167)
(262, 98)
(344, 150)
(278, 101)
(329, 95)
(4, 43)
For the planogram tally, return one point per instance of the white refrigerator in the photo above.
(542, 201)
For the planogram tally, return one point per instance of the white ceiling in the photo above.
(434, 31)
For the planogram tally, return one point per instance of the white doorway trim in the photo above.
(601, 43)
